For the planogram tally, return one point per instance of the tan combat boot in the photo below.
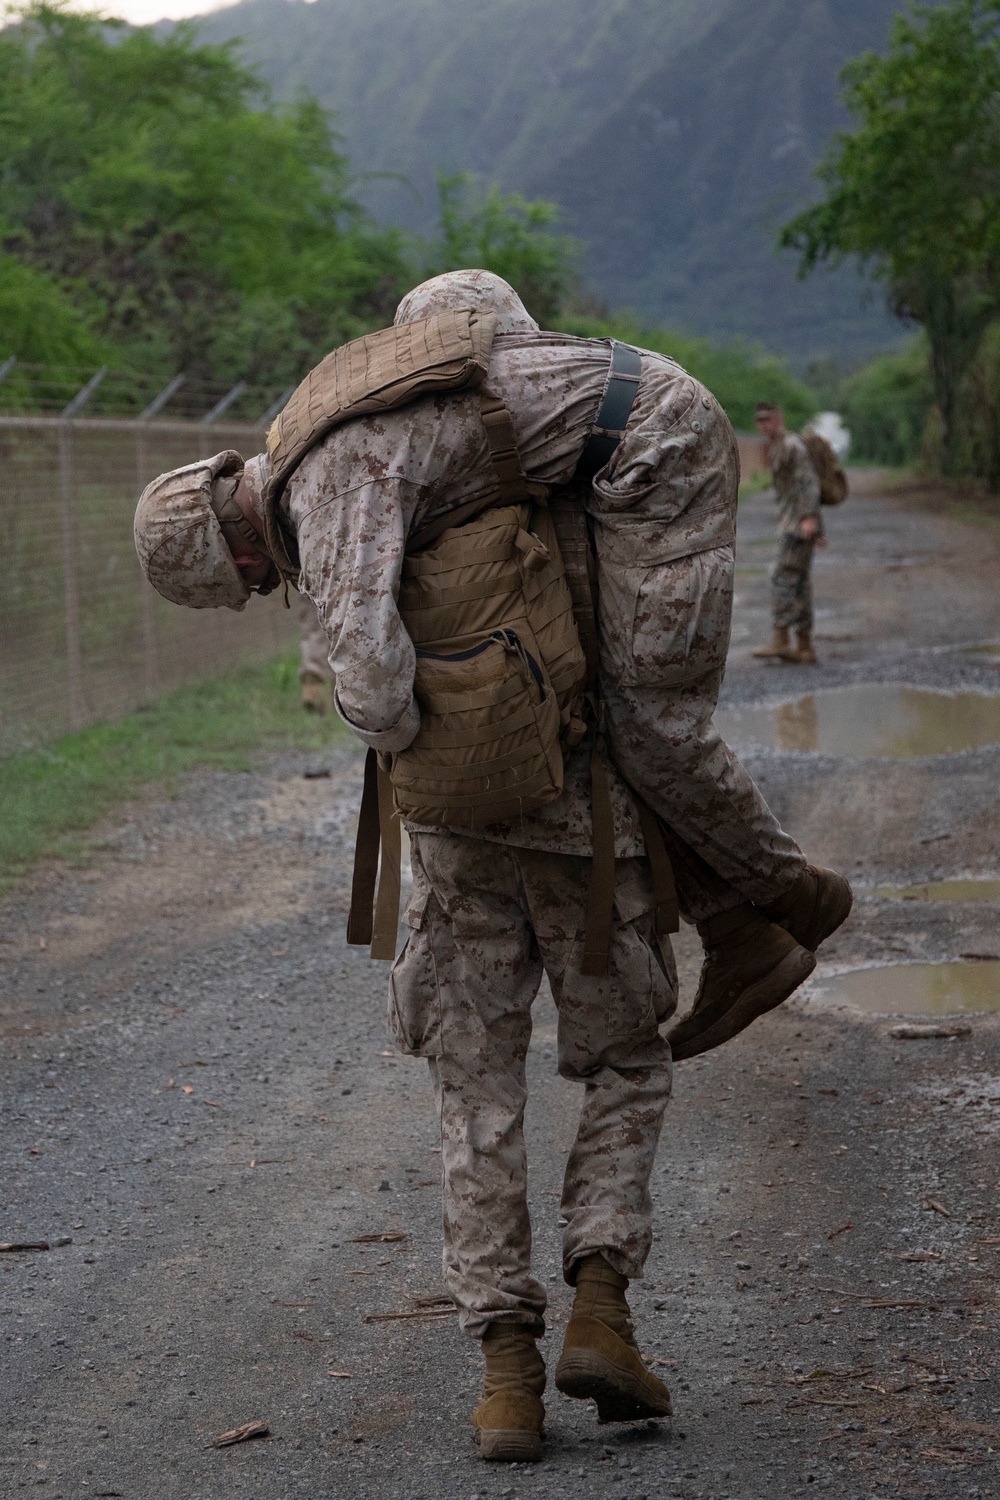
(600, 1360)
(806, 654)
(817, 904)
(510, 1417)
(315, 694)
(779, 648)
(751, 965)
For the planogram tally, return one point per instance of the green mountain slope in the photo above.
(675, 133)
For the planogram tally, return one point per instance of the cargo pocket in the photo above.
(488, 746)
(414, 993)
(666, 624)
(641, 969)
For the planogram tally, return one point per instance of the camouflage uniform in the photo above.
(796, 488)
(484, 924)
(314, 648)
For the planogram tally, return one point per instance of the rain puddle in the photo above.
(949, 989)
(870, 719)
(943, 890)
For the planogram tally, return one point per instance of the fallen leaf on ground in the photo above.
(994, 1239)
(11, 1245)
(212, 1103)
(187, 1089)
(339, 1374)
(42, 944)
(390, 1237)
(241, 1434)
(918, 1255)
(937, 1207)
(171, 1084)
(668, 1364)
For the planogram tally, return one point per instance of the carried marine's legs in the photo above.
(486, 920)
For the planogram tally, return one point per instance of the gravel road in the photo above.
(239, 1181)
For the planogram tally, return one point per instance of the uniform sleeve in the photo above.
(351, 547)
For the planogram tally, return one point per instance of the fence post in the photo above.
(71, 587)
(147, 594)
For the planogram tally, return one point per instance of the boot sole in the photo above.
(756, 1000)
(833, 913)
(620, 1395)
(509, 1445)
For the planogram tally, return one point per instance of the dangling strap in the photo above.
(569, 519)
(667, 917)
(374, 920)
(366, 845)
(387, 901)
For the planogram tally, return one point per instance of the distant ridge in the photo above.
(675, 134)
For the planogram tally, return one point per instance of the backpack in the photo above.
(833, 488)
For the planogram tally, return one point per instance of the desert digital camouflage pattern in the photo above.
(179, 542)
(481, 290)
(664, 518)
(796, 484)
(791, 583)
(484, 925)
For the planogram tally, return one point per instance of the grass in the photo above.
(51, 797)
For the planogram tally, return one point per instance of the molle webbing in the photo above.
(384, 370)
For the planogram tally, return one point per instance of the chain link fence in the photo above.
(83, 638)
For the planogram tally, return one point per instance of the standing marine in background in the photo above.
(800, 532)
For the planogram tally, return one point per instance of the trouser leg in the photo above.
(608, 1040)
(461, 995)
(791, 584)
(665, 741)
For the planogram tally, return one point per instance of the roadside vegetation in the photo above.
(912, 192)
(161, 213)
(52, 797)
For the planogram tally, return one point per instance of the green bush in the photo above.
(886, 404)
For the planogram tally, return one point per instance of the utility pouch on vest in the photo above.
(499, 674)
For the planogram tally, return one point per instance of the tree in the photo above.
(914, 190)
(506, 234)
(212, 229)
(39, 323)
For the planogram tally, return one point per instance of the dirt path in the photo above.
(199, 1096)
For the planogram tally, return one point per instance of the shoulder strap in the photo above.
(620, 392)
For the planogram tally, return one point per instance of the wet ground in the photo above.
(238, 1180)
